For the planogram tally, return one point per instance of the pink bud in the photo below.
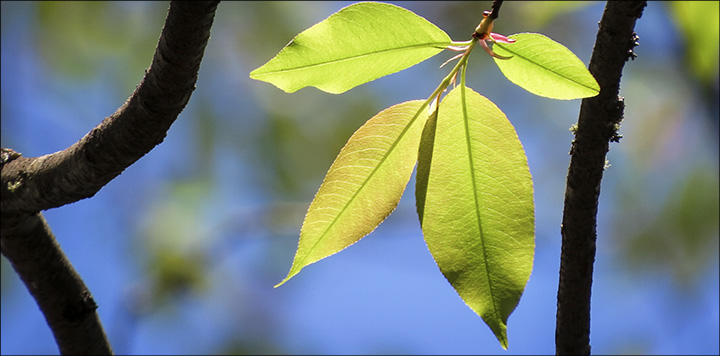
(500, 38)
(490, 51)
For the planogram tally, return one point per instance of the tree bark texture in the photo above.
(31, 185)
(598, 124)
(59, 291)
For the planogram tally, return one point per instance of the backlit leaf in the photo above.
(476, 209)
(363, 185)
(545, 68)
(358, 44)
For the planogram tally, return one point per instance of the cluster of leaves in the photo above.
(474, 191)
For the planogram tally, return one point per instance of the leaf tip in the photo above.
(254, 73)
(504, 342)
(281, 283)
(501, 335)
(293, 271)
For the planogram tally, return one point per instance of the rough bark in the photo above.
(597, 126)
(62, 296)
(31, 185)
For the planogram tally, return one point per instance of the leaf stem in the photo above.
(453, 73)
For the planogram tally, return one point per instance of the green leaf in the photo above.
(363, 185)
(545, 68)
(477, 210)
(358, 44)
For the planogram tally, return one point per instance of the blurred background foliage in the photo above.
(181, 251)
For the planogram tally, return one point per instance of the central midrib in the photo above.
(364, 183)
(437, 45)
(476, 198)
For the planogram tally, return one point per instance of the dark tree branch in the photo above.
(598, 123)
(82, 169)
(30, 185)
(483, 30)
(62, 296)
(495, 10)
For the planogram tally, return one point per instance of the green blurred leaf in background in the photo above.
(699, 23)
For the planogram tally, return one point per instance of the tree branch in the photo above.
(495, 10)
(63, 298)
(598, 123)
(81, 170)
(30, 185)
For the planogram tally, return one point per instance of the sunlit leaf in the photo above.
(363, 185)
(477, 211)
(545, 68)
(358, 44)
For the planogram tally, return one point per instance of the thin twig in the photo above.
(495, 11)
